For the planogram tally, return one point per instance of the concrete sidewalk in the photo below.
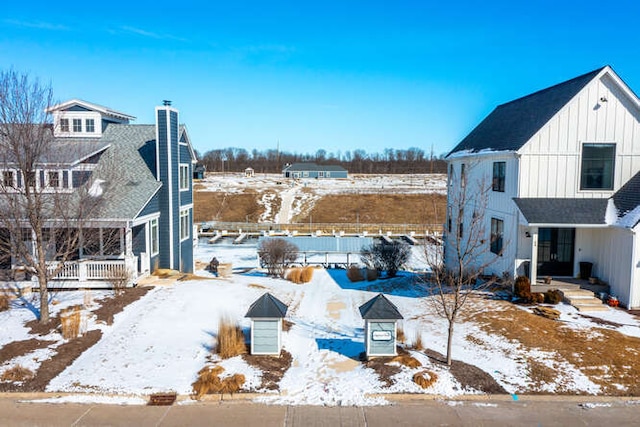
(547, 411)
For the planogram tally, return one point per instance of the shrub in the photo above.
(553, 296)
(372, 274)
(425, 379)
(522, 286)
(400, 337)
(230, 339)
(387, 257)
(17, 374)
(354, 274)
(526, 297)
(306, 274)
(276, 254)
(5, 302)
(537, 297)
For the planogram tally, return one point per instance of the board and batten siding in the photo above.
(550, 161)
(500, 205)
(612, 252)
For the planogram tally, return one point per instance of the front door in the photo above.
(555, 251)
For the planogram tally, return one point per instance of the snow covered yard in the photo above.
(161, 341)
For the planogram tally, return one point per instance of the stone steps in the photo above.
(583, 300)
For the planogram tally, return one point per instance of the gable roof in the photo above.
(379, 307)
(267, 306)
(563, 211)
(128, 182)
(90, 106)
(511, 125)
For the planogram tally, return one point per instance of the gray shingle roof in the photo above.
(299, 167)
(563, 211)
(627, 198)
(129, 184)
(379, 307)
(267, 306)
(511, 125)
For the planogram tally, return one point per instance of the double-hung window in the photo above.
(77, 125)
(89, 125)
(64, 125)
(598, 161)
(155, 245)
(184, 224)
(184, 177)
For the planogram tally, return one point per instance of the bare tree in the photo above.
(40, 219)
(276, 255)
(387, 257)
(454, 280)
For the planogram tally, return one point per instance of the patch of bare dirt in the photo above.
(273, 368)
(113, 305)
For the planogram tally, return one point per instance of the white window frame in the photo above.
(154, 237)
(74, 128)
(13, 183)
(185, 229)
(47, 178)
(184, 177)
(64, 125)
(90, 125)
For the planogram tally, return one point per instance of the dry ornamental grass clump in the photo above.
(209, 382)
(5, 302)
(230, 339)
(306, 274)
(300, 275)
(293, 275)
(417, 342)
(71, 321)
(16, 374)
(406, 360)
(425, 379)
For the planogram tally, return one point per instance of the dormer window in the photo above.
(53, 179)
(8, 179)
(64, 125)
(89, 125)
(77, 125)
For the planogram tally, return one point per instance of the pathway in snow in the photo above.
(284, 216)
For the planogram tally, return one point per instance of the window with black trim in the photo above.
(598, 161)
(497, 232)
(499, 170)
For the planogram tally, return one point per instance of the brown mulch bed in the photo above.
(114, 305)
(49, 369)
(381, 367)
(69, 351)
(20, 348)
(272, 367)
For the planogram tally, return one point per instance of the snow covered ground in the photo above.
(160, 342)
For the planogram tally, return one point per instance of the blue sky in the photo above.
(337, 75)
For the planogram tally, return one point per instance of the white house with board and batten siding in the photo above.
(562, 172)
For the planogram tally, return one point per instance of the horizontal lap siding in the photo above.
(265, 336)
(382, 347)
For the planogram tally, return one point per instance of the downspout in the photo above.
(633, 267)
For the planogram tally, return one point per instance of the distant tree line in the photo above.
(390, 161)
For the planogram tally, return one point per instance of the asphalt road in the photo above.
(547, 411)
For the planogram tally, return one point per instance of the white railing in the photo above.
(95, 269)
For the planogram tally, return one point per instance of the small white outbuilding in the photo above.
(266, 315)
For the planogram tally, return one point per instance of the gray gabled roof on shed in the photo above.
(563, 211)
(511, 125)
(267, 306)
(379, 307)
